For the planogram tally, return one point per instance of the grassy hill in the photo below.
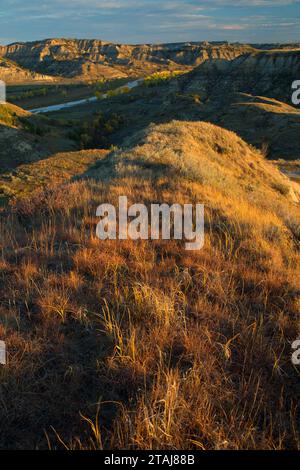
(264, 122)
(26, 138)
(143, 344)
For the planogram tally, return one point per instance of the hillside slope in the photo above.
(41, 174)
(267, 123)
(26, 138)
(267, 73)
(12, 73)
(17, 145)
(264, 122)
(203, 152)
(142, 344)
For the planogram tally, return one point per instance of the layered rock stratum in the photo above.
(94, 58)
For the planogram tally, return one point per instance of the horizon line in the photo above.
(144, 43)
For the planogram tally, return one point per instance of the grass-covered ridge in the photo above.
(10, 114)
(160, 348)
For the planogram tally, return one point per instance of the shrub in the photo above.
(98, 133)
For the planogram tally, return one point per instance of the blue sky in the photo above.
(151, 21)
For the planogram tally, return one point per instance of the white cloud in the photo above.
(254, 3)
(233, 27)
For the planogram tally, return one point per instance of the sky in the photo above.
(151, 21)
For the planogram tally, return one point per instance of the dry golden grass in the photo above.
(143, 345)
(49, 172)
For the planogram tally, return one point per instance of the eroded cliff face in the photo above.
(11, 72)
(243, 66)
(268, 73)
(82, 58)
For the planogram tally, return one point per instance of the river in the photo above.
(70, 104)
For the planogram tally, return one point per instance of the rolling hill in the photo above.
(27, 138)
(142, 344)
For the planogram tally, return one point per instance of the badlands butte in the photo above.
(141, 344)
(91, 59)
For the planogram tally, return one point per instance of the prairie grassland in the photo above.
(143, 345)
